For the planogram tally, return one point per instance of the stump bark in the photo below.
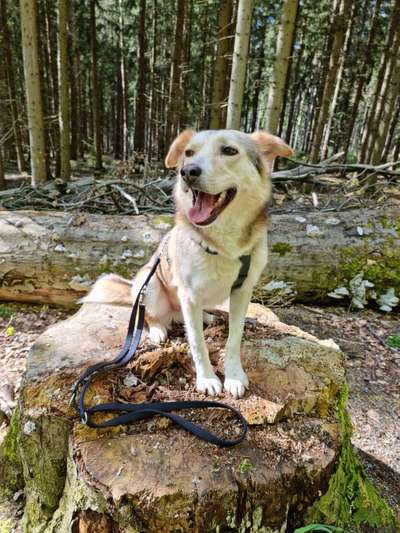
(153, 476)
(54, 257)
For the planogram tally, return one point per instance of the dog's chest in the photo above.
(209, 278)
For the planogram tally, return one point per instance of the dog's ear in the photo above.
(271, 146)
(177, 148)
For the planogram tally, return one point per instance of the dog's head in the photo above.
(223, 172)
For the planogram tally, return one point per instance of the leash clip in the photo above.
(142, 294)
(84, 417)
(72, 400)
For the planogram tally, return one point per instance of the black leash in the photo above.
(131, 412)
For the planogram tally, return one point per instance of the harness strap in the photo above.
(133, 412)
(244, 270)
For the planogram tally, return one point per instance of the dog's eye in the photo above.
(189, 153)
(229, 150)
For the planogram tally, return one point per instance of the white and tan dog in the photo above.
(221, 192)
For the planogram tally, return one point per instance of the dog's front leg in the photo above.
(236, 380)
(206, 380)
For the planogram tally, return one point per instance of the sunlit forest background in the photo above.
(119, 78)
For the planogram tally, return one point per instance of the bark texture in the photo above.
(281, 65)
(239, 64)
(30, 47)
(54, 257)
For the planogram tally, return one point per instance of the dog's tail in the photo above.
(110, 289)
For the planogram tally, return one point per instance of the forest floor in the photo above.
(373, 372)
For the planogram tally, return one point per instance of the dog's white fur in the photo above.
(191, 280)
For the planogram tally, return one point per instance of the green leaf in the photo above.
(393, 341)
(319, 528)
(10, 331)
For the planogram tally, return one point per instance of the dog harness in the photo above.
(245, 261)
(131, 412)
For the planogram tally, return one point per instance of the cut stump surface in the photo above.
(153, 476)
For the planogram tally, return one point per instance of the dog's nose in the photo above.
(190, 173)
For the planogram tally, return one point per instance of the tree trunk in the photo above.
(374, 148)
(364, 77)
(33, 88)
(156, 477)
(75, 101)
(97, 126)
(12, 91)
(124, 83)
(388, 110)
(390, 139)
(387, 55)
(2, 173)
(50, 50)
(152, 128)
(63, 89)
(140, 118)
(175, 88)
(221, 67)
(339, 25)
(338, 83)
(283, 50)
(239, 64)
(52, 257)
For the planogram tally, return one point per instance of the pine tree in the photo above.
(33, 88)
(279, 78)
(239, 62)
(63, 89)
(221, 67)
(97, 126)
(339, 27)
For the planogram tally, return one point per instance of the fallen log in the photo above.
(53, 257)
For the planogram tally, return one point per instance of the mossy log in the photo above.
(54, 257)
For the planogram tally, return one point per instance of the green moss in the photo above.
(281, 248)
(351, 500)
(10, 460)
(43, 454)
(384, 272)
(246, 466)
(161, 220)
(5, 312)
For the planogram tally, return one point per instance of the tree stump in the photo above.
(153, 476)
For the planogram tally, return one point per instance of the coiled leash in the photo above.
(131, 412)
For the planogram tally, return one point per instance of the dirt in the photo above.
(373, 371)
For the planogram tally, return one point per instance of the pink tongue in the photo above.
(203, 207)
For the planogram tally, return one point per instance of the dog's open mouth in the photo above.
(207, 207)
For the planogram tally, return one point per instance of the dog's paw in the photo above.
(158, 334)
(211, 385)
(236, 381)
(236, 387)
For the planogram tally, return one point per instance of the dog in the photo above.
(216, 250)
